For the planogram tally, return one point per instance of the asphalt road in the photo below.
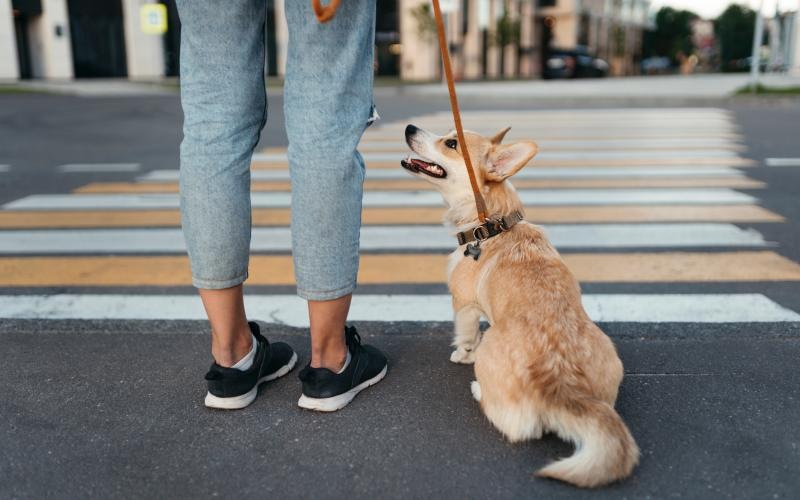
(113, 409)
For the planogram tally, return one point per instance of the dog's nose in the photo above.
(411, 130)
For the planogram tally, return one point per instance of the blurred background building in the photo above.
(784, 35)
(513, 38)
(489, 39)
(65, 39)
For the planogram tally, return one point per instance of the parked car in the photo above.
(573, 63)
(745, 63)
(656, 65)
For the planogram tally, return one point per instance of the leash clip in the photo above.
(500, 223)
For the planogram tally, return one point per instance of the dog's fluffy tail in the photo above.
(604, 448)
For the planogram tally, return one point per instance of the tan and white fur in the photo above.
(542, 365)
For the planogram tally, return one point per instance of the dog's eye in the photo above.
(451, 143)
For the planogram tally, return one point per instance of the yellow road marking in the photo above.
(391, 216)
(398, 269)
(88, 218)
(414, 184)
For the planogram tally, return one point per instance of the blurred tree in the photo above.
(506, 31)
(672, 36)
(734, 29)
(426, 24)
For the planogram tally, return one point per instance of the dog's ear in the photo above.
(498, 137)
(506, 160)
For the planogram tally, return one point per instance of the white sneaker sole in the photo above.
(338, 402)
(244, 400)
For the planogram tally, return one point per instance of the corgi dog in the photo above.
(542, 365)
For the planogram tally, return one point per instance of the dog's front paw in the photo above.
(475, 387)
(463, 356)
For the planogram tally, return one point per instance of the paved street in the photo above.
(681, 221)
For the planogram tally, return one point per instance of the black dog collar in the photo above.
(489, 229)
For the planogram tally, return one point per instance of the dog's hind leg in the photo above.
(502, 394)
(467, 334)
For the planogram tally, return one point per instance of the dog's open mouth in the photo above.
(428, 168)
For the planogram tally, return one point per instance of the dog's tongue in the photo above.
(419, 163)
(415, 163)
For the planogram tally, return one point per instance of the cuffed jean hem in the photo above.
(219, 284)
(326, 295)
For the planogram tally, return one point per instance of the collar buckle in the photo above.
(502, 224)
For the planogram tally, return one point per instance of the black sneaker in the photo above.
(324, 390)
(233, 389)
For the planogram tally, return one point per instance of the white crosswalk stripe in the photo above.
(577, 132)
(529, 173)
(401, 238)
(595, 144)
(73, 168)
(291, 310)
(531, 197)
(545, 156)
(783, 162)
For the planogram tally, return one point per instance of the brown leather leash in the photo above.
(326, 13)
(480, 204)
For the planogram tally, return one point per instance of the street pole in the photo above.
(755, 61)
(794, 43)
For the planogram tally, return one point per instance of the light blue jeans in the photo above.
(327, 104)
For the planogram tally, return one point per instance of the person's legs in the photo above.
(328, 104)
(224, 103)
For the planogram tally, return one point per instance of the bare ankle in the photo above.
(332, 358)
(235, 348)
(327, 318)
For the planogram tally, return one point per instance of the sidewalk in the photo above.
(113, 87)
(114, 410)
(706, 86)
(711, 86)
